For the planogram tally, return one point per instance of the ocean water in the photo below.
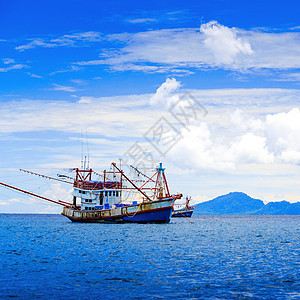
(206, 257)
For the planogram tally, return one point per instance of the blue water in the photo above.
(213, 257)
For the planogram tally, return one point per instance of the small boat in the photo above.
(105, 200)
(185, 211)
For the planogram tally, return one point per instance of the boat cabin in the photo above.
(99, 196)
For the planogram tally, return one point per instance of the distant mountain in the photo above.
(237, 203)
(293, 209)
(279, 208)
(233, 203)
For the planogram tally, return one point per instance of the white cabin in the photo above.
(98, 199)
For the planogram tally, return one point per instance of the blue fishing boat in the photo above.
(106, 200)
(183, 212)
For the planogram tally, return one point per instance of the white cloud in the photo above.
(58, 87)
(34, 44)
(63, 41)
(141, 20)
(183, 50)
(11, 67)
(8, 61)
(28, 205)
(34, 75)
(79, 81)
(168, 47)
(84, 100)
(250, 148)
(58, 192)
(214, 45)
(10, 64)
(69, 39)
(223, 43)
(197, 150)
(166, 93)
(282, 131)
(292, 198)
(289, 77)
(258, 133)
(112, 116)
(70, 69)
(266, 140)
(242, 122)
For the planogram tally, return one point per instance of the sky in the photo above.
(210, 88)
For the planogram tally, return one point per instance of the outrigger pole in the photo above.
(35, 195)
(122, 174)
(45, 176)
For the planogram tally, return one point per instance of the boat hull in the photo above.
(159, 211)
(182, 213)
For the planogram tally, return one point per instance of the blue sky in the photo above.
(112, 69)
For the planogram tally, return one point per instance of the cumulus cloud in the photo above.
(166, 93)
(282, 131)
(273, 138)
(223, 42)
(250, 148)
(242, 122)
(197, 150)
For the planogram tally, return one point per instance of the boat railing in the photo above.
(97, 186)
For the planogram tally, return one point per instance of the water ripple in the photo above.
(216, 257)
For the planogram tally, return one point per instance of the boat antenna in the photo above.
(88, 150)
(81, 150)
(84, 163)
(85, 159)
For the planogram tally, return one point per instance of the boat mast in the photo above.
(161, 183)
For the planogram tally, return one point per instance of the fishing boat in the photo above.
(104, 200)
(186, 211)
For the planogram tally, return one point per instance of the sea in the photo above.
(203, 257)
